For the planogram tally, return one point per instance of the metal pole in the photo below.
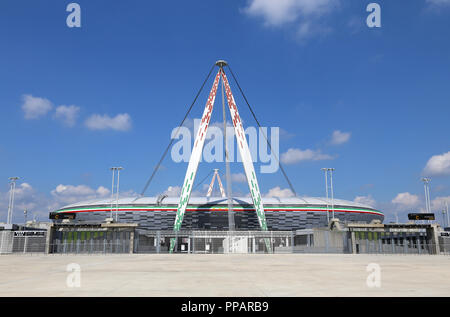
(12, 204)
(326, 191)
(117, 192)
(426, 196)
(112, 191)
(448, 220)
(426, 180)
(9, 203)
(231, 224)
(332, 192)
(429, 199)
(11, 199)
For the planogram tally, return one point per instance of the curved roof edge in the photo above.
(220, 200)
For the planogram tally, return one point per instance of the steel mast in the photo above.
(231, 223)
(197, 152)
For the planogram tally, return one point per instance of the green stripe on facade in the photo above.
(281, 208)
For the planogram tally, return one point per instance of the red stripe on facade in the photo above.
(212, 210)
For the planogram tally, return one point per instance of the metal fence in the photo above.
(214, 241)
(22, 242)
(217, 242)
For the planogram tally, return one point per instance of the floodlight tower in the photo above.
(117, 191)
(444, 212)
(443, 217)
(332, 191)
(426, 184)
(326, 190)
(113, 169)
(12, 184)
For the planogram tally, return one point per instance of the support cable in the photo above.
(267, 140)
(201, 182)
(176, 134)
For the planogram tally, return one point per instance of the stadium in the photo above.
(183, 219)
(210, 213)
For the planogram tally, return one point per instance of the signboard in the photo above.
(62, 215)
(29, 233)
(421, 216)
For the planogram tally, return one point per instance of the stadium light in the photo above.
(332, 191)
(11, 198)
(117, 191)
(448, 219)
(113, 169)
(426, 181)
(326, 190)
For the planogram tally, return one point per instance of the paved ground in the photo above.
(224, 275)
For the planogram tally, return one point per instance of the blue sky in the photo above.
(309, 67)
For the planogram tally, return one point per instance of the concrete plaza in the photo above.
(224, 275)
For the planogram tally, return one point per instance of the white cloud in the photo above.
(406, 200)
(293, 156)
(25, 198)
(173, 191)
(67, 114)
(276, 13)
(280, 193)
(438, 204)
(438, 2)
(339, 137)
(305, 13)
(103, 191)
(121, 122)
(438, 165)
(69, 194)
(35, 107)
(239, 178)
(40, 204)
(365, 200)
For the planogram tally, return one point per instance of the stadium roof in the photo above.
(221, 201)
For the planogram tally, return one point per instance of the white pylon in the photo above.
(222, 191)
(244, 151)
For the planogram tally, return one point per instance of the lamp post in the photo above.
(117, 191)
(113, 169)
(426, 181)
(426, 184)
(326, 170)
(11, 198)
(332, 191)
(443, 217)
(25, 216)
(326, 191)
(446, 211)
